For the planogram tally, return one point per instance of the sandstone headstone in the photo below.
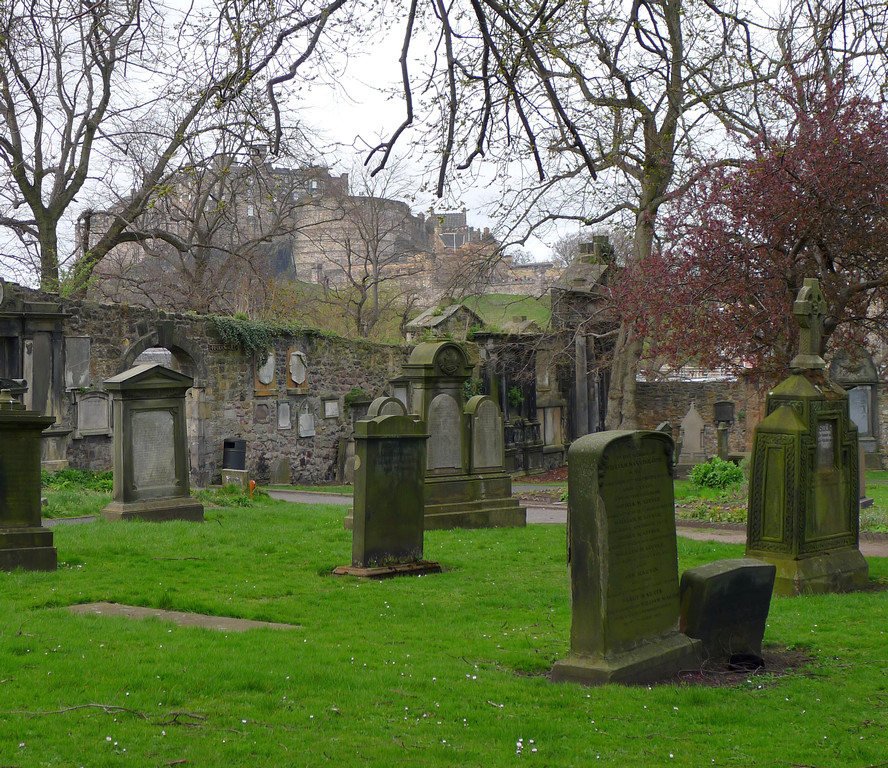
(24, 541)
(297, 368)
(445, 429)
(386, 406)
(263, 381)
(623, 562)
(692, 438)
(280, 471)
(486, 424)
(77, 373)
(93, 414)
(803, 512)
(725, 605)
(150, 446)
(387, 536)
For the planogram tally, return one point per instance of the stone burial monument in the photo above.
(150, 446)
(803, 514)
(623, 562)
(725, 605)
(388, 526)
(24, 542)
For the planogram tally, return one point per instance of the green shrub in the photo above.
(77, 479)
(716, 473)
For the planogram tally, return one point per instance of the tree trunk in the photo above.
(49, 257)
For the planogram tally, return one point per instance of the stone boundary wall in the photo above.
(224, 402)
(660, 401)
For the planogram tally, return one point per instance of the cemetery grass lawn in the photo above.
(439, 670)
(74, 502)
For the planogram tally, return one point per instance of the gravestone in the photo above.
(486, 424)
(297, 372)
(150, 446)
(386, 406)
(280, 471)
(283, 415)
(24, 542)
(803, 513)
(691, 437)
(725, 605)
(623, 562)
(93, 413)
(387, 535)
(457, 494)
(263, 382)
(856, 373)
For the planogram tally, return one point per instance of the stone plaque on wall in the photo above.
(264, 379)
(77, 362)
(445, 431)
(297, 369)
(153, 449)
(93, 414)
(331, 409)
(284, 415)
(306, 421)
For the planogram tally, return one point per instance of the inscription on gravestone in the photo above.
(445, 430)
(154, 449)
(487, 436)
(265, 373)
(623, 562)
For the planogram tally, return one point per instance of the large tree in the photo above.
(604, 101)
(103, 96)
(811, 201)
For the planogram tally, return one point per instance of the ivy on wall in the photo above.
(254, 337)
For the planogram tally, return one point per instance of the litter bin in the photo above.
(234, 453)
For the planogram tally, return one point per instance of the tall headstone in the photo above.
(692, 426)
(387, 535)
(803, 514)
(150, 446)
(24, 542)
(623, 562)
(856, 373)
(459, 492)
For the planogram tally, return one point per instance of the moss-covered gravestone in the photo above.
(150, 446)
(803, 489)
(623, 562)
(24, 542)
(387, 532)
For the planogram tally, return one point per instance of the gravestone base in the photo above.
(158, 511)
(419, 568)
(28, 548)
(725, 605)
(840, 571)
(238, 477)
(649, 663)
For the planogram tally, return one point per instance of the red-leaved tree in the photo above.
(740, 241)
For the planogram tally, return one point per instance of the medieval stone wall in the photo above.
(661, 401)
(227, 400)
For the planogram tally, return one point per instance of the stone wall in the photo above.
(670, 400)
(227, 400)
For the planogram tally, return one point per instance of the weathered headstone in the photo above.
(93, 413)
(692, 426)
(297, 371)
(283, 415)
(486, 424)
(386, 406)
(150, 446)
(623, 562)
(803, 513)
(24, 542)
(280, 471)
(445, 425)
(725, 605)
(387, 535)
(306, 420)
(263, 383)
(856, 373)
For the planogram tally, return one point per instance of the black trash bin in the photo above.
(234, 453)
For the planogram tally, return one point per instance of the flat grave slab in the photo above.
(221, 623)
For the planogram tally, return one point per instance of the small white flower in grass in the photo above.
(244, 722)
(21, 745)
(107, 738)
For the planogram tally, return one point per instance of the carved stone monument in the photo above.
(691, 440)
(803, 491)
(387, 536)
(623, 562)
(150, 446)
(24, 542)
(459, 492)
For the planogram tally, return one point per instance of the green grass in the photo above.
(343, 489)
(497, 309)
(440, 670)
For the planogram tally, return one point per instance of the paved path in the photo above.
(871, 544)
